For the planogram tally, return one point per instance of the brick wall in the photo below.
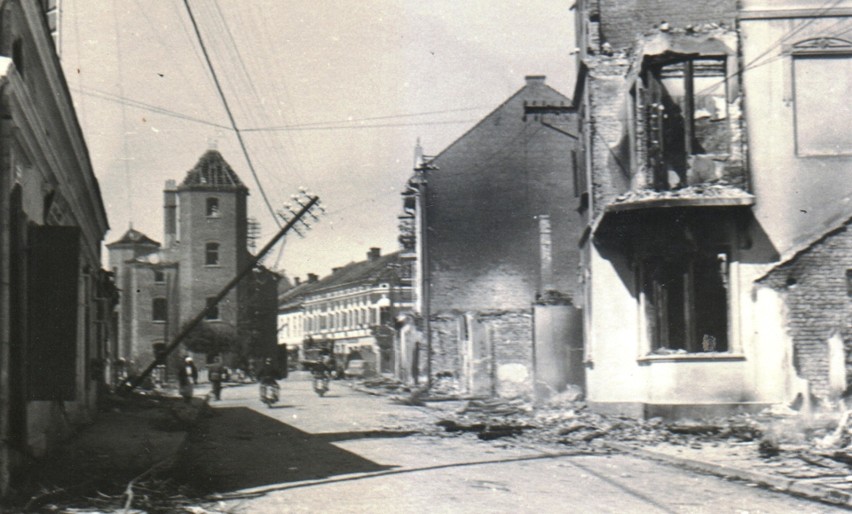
(818, 304)
(483, 202)
(512, 338)
(622, 21)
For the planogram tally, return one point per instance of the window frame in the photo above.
(653, 342)
(814, 48)
(213, 315)
(216, 210)
(647, 95)
(212, 246)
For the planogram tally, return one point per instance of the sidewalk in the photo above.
(711, 462)
(132, 437)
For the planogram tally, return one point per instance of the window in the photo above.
(822, 108)
(686, 116)
(212, 313)
(212, 208)
(159, 276)
(159, 310)
(685, 302)
(849, 283)
(211, 254)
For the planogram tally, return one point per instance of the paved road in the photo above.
(352, 452)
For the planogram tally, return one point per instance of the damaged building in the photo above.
(717, 145)
(206, 231)
(490, 228)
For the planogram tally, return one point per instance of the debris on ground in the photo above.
(117, 463)
(814, 447)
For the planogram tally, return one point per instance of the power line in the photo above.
(103, 95)
(358, 120)
(230, 114)
(357, 127)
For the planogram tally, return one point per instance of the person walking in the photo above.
(215, 375)
(187, 377)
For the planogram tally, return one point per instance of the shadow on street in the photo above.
(238, 448)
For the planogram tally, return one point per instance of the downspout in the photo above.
(5, 332)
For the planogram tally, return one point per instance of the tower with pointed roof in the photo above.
(212, 234)
(205, 246)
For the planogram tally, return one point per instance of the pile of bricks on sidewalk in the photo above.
(812, 447)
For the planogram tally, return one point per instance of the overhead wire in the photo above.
(230, 114)
(830, 4)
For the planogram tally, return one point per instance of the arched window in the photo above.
(212, 208)
(211, 254)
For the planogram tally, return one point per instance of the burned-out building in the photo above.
(708, 166)
(55, 301)
(206, 246)
(490, 227)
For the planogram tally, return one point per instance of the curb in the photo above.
(778, 483)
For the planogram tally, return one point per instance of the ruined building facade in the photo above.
(164, 286)
(717, 146)
(490, 228)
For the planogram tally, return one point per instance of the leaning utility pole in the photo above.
(306, 202)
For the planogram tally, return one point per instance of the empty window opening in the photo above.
(212, 313)
(159, 309)
(686, 302)
(212, 207)
(686, 115)
(159, 276)
(211, 254)
(849, 283)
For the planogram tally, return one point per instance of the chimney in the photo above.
(334, 270)
(170, 213)
(312, 277)
(297, 281)
(418, 155)
(535, 80)
(374, 254)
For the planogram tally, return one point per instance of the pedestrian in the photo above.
(214, 374)
(187, 377)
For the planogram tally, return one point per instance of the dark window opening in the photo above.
(686, 115)
(686, 302)
(18, 56)
(159, 309)
(849, 283)
(211, 254)
(212, 313)
(159, 276)
(212, 207)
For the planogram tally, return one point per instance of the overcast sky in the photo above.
(347, 86)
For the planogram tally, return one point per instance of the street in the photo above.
(353, 452)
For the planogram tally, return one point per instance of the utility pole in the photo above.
(306, 207)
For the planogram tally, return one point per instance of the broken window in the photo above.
(212, 207)
(686, 116)
(686, 302)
